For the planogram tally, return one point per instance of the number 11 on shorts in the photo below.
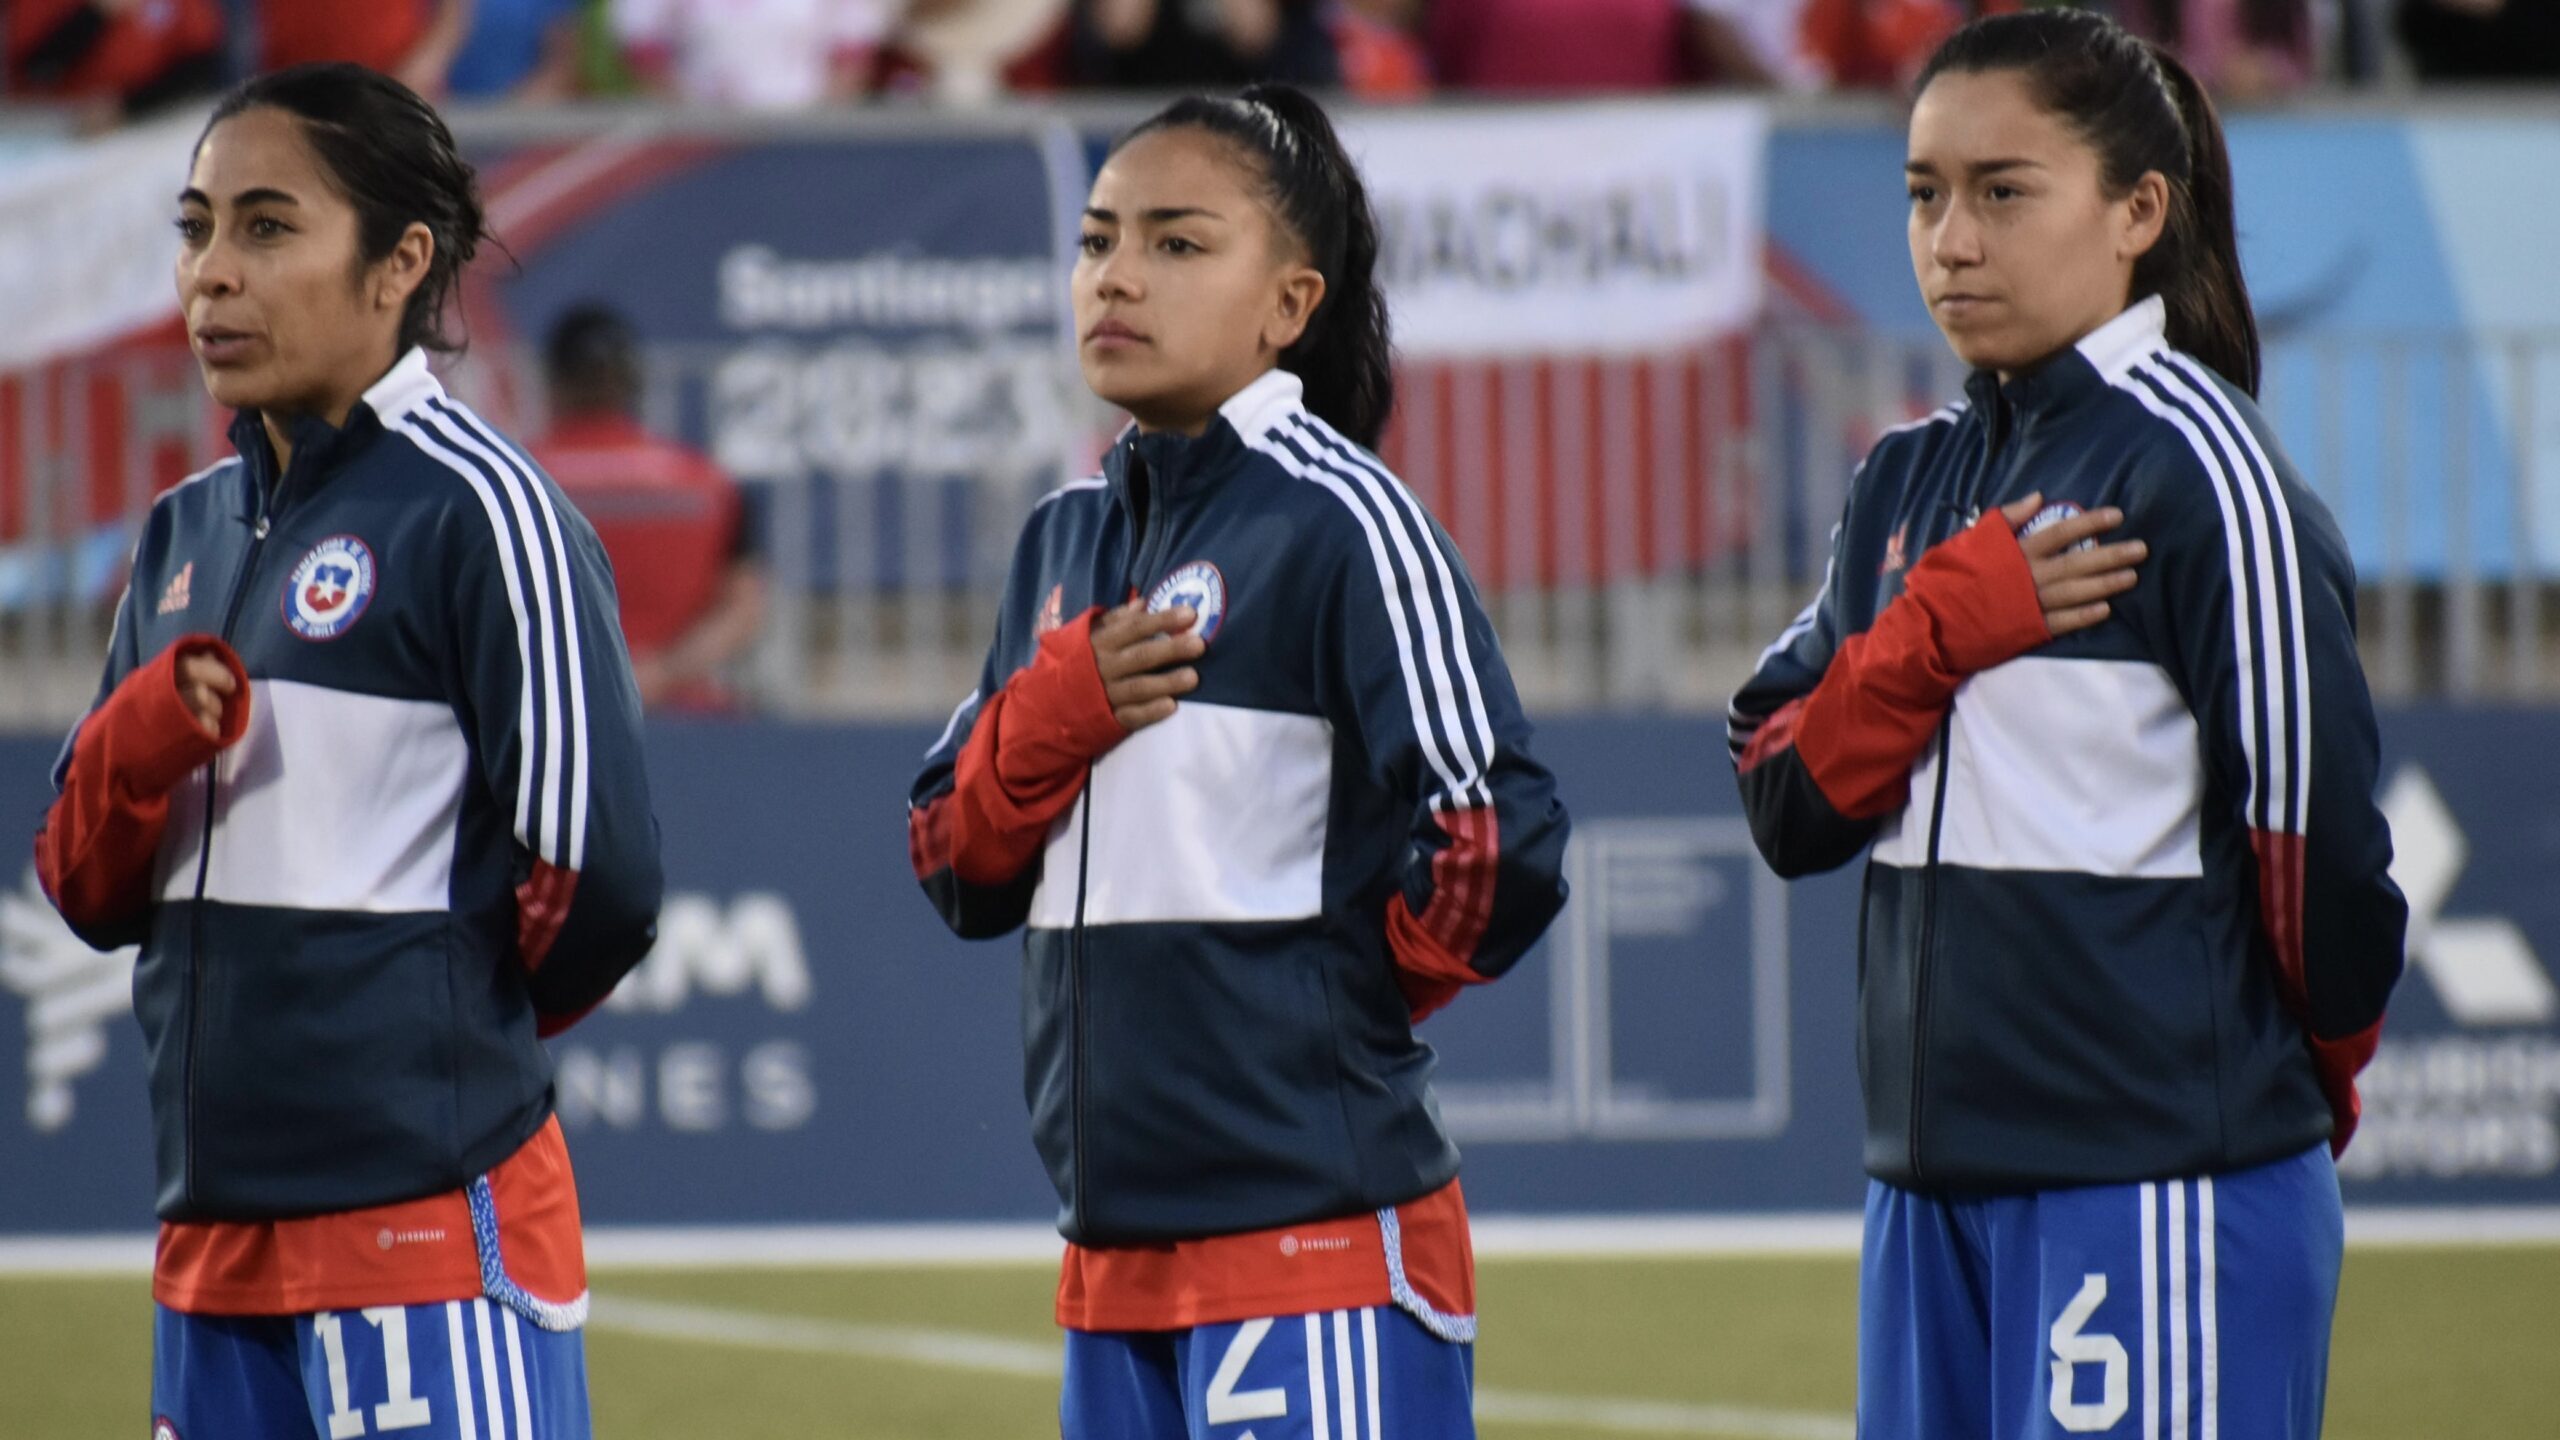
(404, 1409)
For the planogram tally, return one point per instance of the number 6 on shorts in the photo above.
(2074, 1345)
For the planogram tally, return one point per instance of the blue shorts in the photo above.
(1373, 1374)
(455, 1370)
(2167, 1310)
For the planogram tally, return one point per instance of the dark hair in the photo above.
(1344, 357)
(390, 155)
(2141, 110)
(591, 360)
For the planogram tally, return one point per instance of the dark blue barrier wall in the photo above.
(810, 1045)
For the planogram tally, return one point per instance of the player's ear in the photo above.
(398, 275)
(1298, 291)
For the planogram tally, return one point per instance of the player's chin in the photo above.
(1988, 347)
(235, 387)
(1132, 382)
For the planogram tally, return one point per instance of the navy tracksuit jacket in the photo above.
(2127, 912)
(435, 826)
(1215, 1037)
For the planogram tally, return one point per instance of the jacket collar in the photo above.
(1259, 408)
(2100, 359)
(319, 447)
(1178, 466)
(2115, 347)
(403, 390)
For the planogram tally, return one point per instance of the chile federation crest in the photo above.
(330, 587)
(1199, 586)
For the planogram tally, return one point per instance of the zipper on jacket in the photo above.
(204, 854)
(1968, 506)
(1154, 529)
(1147, 556)
(1928, 943)
(1076, 1006)
(1077, 959)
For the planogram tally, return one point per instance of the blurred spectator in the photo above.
(1558, 45)
(1881, 44)
(1380, 55)
(412, 40)
(966, 51)
(674, 526)
(755, 54)
(1555, 45)
(519, 50)
(2245, 49)
(2361, 44)
(1756, 43)
(112, 58)
(1186, 44)
(2482, 39)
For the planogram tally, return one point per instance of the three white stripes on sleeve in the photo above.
(540, 593)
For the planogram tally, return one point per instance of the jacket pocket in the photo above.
(325, 1077)
(1212, 1082)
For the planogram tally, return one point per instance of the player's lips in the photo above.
(1114, 335)
(1961, 303)
(222, 345)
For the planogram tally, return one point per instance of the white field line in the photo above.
(808, 1335)
(2436, 1227)
(1496, 1236)
(693, 1247)
(1000, 1355)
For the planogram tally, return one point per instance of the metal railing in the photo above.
(1640, 527)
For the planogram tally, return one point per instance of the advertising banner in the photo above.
(1590, 229)
(808, 1045)
(86, 249)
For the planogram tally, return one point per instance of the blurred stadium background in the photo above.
(1646, 337)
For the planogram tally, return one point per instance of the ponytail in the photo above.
(2195, 267)
(1344, 357)
(2142, 111)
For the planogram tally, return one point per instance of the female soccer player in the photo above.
(2127, 927)
(1247, 762)
(364, 783)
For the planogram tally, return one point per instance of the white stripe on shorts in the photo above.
(488, 1370)
(2178, 1409)
(1315, 1377)
(515, 1377)
(468, 1422)
(1348, 1382)
(2210, 1332)
(1369, 1353)
(2150, 1311)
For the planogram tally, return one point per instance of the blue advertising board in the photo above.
(809, 1045)
(849, 324)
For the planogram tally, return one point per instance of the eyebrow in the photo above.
(1978, 169)
(1158, 216)
(260, 195)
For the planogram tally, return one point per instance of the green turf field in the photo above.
(2444, 1344)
